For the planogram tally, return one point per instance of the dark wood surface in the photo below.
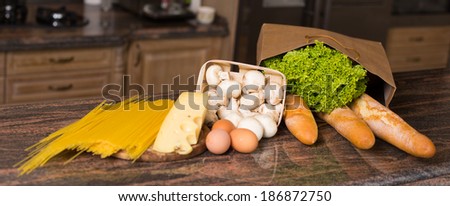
(422, 99)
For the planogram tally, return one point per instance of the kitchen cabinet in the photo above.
(416, 48)
(414, 33)
(228, 10)
(41, 63)
(159, 62)
(24, 88)
(251, 16)
(61, 73)
(59, 60)
(419, 35)
(367, 19)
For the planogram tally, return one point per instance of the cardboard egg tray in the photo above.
(271, 75)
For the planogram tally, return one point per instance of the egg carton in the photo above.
(236, 71)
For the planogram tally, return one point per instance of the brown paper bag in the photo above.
(277, 39)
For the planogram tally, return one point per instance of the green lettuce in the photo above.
(324, 77)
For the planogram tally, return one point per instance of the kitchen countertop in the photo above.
(422, 99)
(112, 28)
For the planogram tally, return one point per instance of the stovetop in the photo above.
(49, 17)
(60, 17)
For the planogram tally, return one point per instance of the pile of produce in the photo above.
(324, 77)
(241, 108)
(325, 81)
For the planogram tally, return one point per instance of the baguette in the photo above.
(350, 126)
(299, 120)
(392, 128)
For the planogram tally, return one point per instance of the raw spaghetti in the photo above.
(131, 126)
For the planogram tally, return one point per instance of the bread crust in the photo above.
(299, 120)
(350, 126)
(390, 127)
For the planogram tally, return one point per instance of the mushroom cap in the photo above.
(212, 75)
(253, 81)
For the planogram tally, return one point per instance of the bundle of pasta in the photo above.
(130, 126)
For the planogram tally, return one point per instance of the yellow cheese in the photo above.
(182, 125)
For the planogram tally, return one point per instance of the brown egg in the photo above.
(218, 141)
(223, 124)
(243, 140)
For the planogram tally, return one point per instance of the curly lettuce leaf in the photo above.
(324, 77)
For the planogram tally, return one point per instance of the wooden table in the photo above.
(422, 99)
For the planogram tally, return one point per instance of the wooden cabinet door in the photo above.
(174, 63)
(29, 88)
(418, 48)
(2, 78)
(27, 62)
(2, 90)
(61, 74)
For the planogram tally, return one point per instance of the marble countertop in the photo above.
(422, 99)
(112, 28)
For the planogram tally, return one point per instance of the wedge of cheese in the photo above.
(181, 127)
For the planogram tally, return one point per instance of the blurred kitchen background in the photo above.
(70, 49)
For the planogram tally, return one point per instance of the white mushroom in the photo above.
(233, 104)
(269, 125)
(279, 108)
(224, 76)
(270, 110)
(234, 117)
(215, 100)
(229, 88)
(253, 125)
(211, 116)
(253, 81)
(274, 93)
(212, 75)
(210, 91)
(248, 89)
(223, 112)
(261, 96)
(252, 100)
(247, 102)
(246, 113)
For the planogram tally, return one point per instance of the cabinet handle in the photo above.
(413, 59)
(137, 62)
(416, 39)
(63, 60)
(60, 88)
